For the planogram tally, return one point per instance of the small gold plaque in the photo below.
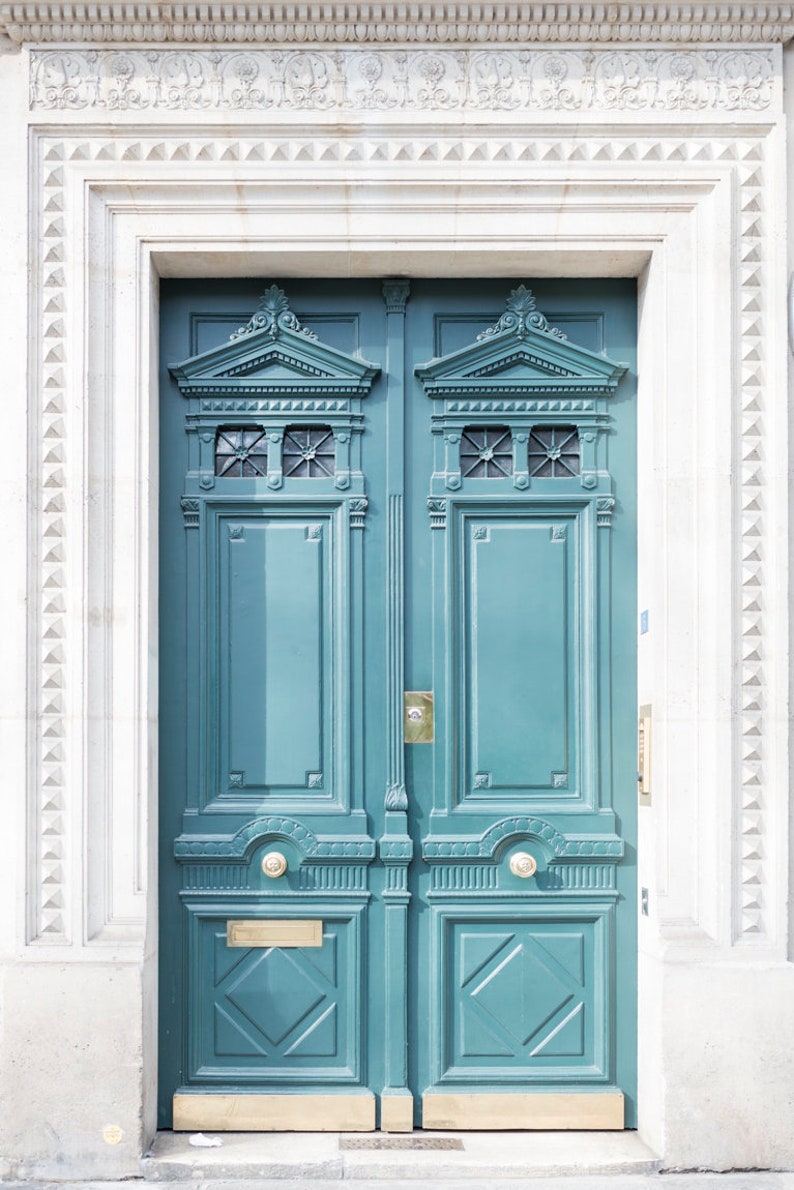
(281, 932)
(644, 755)
(418, 717)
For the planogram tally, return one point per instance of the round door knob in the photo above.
(523, 864)
(274, 864)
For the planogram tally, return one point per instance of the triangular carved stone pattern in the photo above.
(274, 356)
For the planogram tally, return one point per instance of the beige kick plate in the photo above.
(602, 1110)
(274, 932)
(274, 1113)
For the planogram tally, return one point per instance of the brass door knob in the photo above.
(523, 864)
(274, 864)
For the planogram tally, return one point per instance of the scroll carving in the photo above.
(539, 80)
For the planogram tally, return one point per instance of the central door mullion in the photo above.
(396, 1109)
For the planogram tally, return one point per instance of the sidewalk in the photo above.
(678, 1181)
(450, 1161)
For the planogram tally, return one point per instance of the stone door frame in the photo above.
(688, 197)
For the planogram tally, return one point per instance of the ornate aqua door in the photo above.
(398, 700)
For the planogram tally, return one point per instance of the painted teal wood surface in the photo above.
(523, 658)
(274, 1017)
(368, 488)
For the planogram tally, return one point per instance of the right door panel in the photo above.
(521, 609)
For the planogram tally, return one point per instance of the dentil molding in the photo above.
(663, 82)
(401, 23)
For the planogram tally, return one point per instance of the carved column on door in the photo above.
(396, 848)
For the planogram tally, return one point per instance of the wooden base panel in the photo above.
(601, 1111)
(397, 1113)
(274, 1113)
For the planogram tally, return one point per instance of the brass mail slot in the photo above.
(418, 717)
(281, 932)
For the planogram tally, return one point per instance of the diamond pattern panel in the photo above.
(520, 992)
(275, 993)
(524, 998)
(277, 1015)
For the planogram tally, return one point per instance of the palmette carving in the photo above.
(563, 80)
(272, 316)
(396, 797)
(520, 316)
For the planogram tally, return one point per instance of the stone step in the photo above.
(414, 1156)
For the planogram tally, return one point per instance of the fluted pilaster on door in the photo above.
(396, 849)
(395, 296)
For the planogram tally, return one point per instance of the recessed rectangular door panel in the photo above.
(274, 1015)
(271, 690)
(523, 1000)
(519, 645)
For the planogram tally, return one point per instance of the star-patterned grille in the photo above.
(554, 452)
(486, 453)
(309, 452)
(241, 452)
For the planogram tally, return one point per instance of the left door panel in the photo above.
(265, 845)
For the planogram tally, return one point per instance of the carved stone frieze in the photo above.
(555, 81)
(358, 22)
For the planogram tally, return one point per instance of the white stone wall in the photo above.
(125, 165)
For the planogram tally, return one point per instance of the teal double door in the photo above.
(398, 704)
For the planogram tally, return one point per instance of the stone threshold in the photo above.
(332, 1156)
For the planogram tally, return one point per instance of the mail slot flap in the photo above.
(285, 931)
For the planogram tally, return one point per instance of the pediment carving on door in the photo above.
(521, 404)
(274, 357)
(276, 403)
(520, 356)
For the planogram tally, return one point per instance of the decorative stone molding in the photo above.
(60, 154)
(50, 912)
(663, 82)
(354, 22)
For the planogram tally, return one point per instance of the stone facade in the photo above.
(160, 141)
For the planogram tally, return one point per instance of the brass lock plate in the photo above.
(418, 717)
